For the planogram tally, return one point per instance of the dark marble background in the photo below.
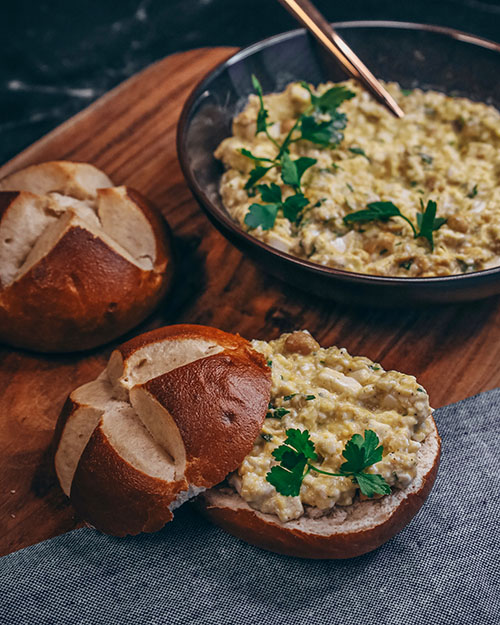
(58, 56)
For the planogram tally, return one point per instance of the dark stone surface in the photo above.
(57, 57)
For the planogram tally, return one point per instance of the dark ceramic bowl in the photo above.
(411, 54)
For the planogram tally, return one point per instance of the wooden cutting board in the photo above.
(130, 134)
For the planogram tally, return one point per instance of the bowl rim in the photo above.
(235, 229)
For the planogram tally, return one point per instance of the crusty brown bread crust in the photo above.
(116, 497)
(212, 401)
(187, 331)
(346, 533)
(83, 291)
(178, 421)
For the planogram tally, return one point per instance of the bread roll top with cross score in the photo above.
(173, 413)
(81, 261)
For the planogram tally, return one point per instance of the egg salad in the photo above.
(333, 396)
(445, 150)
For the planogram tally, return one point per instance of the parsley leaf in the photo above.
(406, 92)
(327, 133)
(296, 453)
(293, 207)
(292, 171)
(428, 223)
(263, 114)
(276, 413)
(360, 152)
(263, 215)
(371, 484)
(253, 157)
(473, 192)
(255, 175)
(270, 193)
(330, 100)
(361, 453)
(287, 482)
(300, 441)
(377, 211)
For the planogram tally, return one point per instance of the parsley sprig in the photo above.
(427, 222)
(297, 453)
(309, 126)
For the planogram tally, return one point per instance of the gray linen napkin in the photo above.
(444, 568)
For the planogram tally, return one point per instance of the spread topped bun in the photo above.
(332, 399)
(81, 261)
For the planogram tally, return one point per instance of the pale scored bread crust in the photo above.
(81, 261)
(129, 449)
(345, 532)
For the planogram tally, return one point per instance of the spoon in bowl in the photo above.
(309, 16)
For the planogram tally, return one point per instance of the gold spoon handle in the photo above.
(309, 16)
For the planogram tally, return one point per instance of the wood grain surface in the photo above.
(130, 134)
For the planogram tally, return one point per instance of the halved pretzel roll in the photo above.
(81, 261)
(152, 431)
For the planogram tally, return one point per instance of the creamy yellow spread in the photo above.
(334, 396)
(445, 149)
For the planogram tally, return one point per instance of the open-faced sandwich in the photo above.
(346, 457)
(292, 447)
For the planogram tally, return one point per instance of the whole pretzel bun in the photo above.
(152, 431)
(81, 261)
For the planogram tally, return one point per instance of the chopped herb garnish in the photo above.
(309, 397)
(263, 114)
(406, 92)
(426, 158)
(374, 367)
(297, 452)
(383, 251)
(276, 413)
(378, 211)
(264, 215)
(420, 390)
(267, 437)
(464, 267)
(349, 186)
(427, 221)
(407, 264)
(288, 397)
(309, 127)
(360, 152)
(269, 363)
(473, 192)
